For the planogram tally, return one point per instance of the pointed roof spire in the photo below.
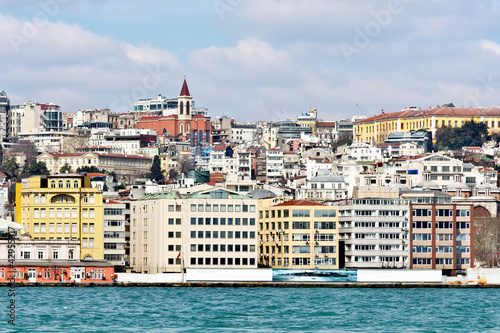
(185, 90)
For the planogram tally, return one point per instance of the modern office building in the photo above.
(211, 228)
(62, 207)
(298, 234)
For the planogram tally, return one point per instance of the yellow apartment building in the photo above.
(62, 207)
(376, 129)
(298, 234)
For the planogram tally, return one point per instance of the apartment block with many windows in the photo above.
(298, 234)
(374, 232)
(441, 232)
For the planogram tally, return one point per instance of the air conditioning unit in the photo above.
(307, 242)
(122, 263)
(326, 254)
(39, 273)
(317, 243)
(316, 267)
(317, 231)
(91, 271)
(316, 255)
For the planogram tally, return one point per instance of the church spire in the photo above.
(185, 90)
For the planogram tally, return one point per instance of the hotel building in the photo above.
(211, 228)
(62, 207)
(298, 234)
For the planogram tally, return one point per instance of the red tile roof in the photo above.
(300, 203)
(220, 147)
(325, 124)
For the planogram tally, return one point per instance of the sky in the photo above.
(253, 59)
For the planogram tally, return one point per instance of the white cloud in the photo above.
(249, 59)
(490, 46)
(77, 68)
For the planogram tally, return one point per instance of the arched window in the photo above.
(37, 198)
(187, 107)
(43, 198)
(164, 131)
(61, 184)
(181, 128)
(181, 108)
(188, 128)
(85, 199)
(53, 184)
(75, 184)
(68, 183)
(91, 199)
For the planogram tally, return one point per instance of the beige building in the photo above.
(125, 166)
(210, 228)
(298, 234)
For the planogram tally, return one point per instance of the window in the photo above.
(74, 228)
(51, 227)
(55, 255)
(59, 227)
(300, 213)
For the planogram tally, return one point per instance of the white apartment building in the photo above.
(324, 188)
(274, 165)
(374, 232)
(114, 232)
(211, 228)
(243, 133)
(47, 141)
(361, 151)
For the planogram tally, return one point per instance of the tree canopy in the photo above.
(155, 171)
(471, 133)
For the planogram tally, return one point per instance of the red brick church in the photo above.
(181, 125)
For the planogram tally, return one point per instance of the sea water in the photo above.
(136, 309)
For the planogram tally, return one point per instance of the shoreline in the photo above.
(255, 285)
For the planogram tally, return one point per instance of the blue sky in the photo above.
(253, 59)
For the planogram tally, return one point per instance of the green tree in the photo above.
(66, 168)
(471, 133)
(10, 167)
(155, 171)
(38, 169)
(25, 172)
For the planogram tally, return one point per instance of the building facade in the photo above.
(374, 232)
(62, 207)
(212, 228)
(298, 234)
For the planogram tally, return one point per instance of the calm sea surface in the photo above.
(62, 309)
